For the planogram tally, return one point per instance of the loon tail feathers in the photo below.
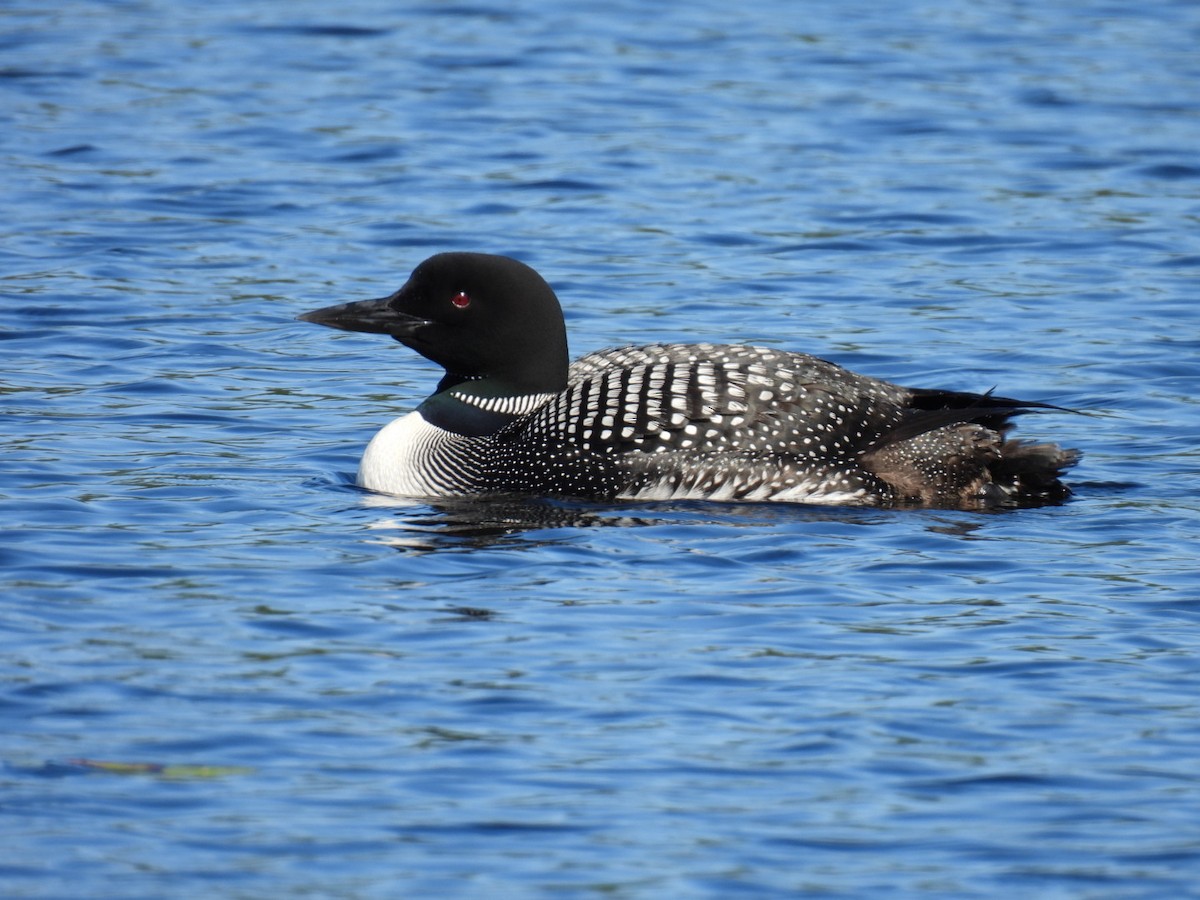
(1029, 472)
(967, 464)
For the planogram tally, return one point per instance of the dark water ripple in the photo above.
(229, 672)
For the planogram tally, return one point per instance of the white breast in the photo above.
(413, 458)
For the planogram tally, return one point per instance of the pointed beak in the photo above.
(374, 316)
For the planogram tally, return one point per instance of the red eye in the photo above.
(462, 300)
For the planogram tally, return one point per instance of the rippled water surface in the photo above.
(227, 672)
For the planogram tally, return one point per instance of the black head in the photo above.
(476, 315)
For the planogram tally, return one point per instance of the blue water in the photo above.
(227, 672)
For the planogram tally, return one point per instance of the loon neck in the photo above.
(478, 407)
(529, 360)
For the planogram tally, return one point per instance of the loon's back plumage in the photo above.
(668, 421)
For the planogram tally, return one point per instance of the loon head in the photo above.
(478, 316)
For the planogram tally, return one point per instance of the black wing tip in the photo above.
(933, 399)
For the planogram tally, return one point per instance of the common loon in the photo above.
(667, 421)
